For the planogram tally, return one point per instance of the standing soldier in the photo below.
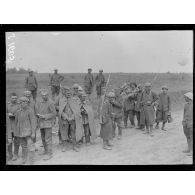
(27, 94)
(31, 84)
(163, 108)
(46, 114)
(88, 83)
(12, 108)
(106, 121)
(25, 130)
(188, 121)
(100, 83)
(129, 108)
(137, 105)
(55, 81)
(70, 116)
(88, 120)
(117, 105)
(148, 99)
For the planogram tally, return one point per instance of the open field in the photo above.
(135, 147)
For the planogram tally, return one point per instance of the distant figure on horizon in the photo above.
(31, 84)
(55, 81)
(100, 82)
(88, 83)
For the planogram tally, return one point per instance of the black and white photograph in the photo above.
(99, 97)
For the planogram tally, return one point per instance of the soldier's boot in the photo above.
(31, 157)
(10, 154)
(105, 146)
(64, 146)
(108, 143)
(188, 149)
(146, 131)
(157, 126)
(191, 147)
(24, 155)
(150, 131)
(163, 127)
(119, 133)
(48, 154)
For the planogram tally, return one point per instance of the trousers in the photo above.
(129, 114)
(87, 133)
(46, 137)
(117, 121)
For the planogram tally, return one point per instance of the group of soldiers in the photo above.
(71, 107)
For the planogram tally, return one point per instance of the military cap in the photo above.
(110, 95)
(148, 84)
(189, 95)
(23, 99)
(13, 94)
(80, 88)
(89, 69)
(100, 70)
(164, 87)
(139, 85)
(44, 92)
(27, 93)
(55, 69)
(30, 71)
(75, 86)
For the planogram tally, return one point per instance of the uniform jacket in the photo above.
(188, 115)
(138, 100)
(12, 108)
(56, 79)
(129, 103)
(100, 80)
(25, 123)
(75, 107)
(90, 118)
(118, 107)
(164, 103)
(48, 109)
(31, 83)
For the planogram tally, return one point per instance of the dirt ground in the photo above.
(135, 148)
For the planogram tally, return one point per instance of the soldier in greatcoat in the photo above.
(106, 130)
(88, 120)
(163, 108)
(54, 83)
(147, 102)
(188, 122)
(25, 130)
(12, 108)
(70, 116)
(88, 83)
(46, 114)
(100, 82)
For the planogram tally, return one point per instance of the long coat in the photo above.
(91, 120)
(106, 125)
(77, 114)
(147, 116)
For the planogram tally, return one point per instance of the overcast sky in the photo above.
(112, 51)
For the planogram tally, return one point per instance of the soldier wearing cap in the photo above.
(106, 130)
(138, 96)
(88, 120)
(25, 130)
(147, 102)
(88, 83)
(12, 108)
(31, 84)
(100, 82)
(54, 83)
(163, 108)
(46, 114)
(188, 121)
(71, 121)
(117, 105)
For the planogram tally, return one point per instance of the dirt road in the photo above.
(135, 148)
